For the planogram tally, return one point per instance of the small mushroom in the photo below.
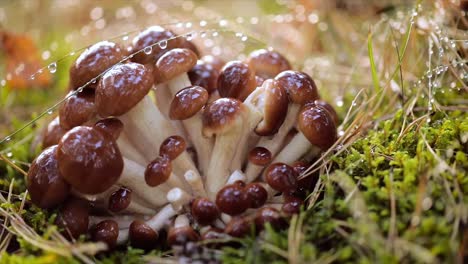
(120, 200)
(239, 227)
(269, 215)
(256, 195)
(106, 231)
(268, 64)
(236, 80)
(232, 200)
(53, 133)
(260, 156)
(73, 217)
(172, 147)
(142, 236)
(281, 177)
(94, 61)
(205, 75)
(149, 39)
(181, 232)
(204, 211)
(77, 109)
(45, 184)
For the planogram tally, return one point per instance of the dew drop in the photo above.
(72, 53)
(203, 23)
(50, 112)
(148, 50)
(244, 38)
(9, 154)
(163, 44)
(80, 89)
(203, 34)
(52, 67)
(7, 139)
(189, 36)
(125, 38)
(214, 34)
(33, 77)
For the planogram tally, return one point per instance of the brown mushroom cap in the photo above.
(77, 109)
(187, 102)
(236, 80)
(141, 235)
(221, 115)
(158, 171)
(256, 194)
(89, 160)
(232, 200)
(73, 217)
(187, 44)
(299, 86)
(259, 80)
(275, 108)
(173, 63)
(292, 206)
(181, 235)
(239, 227)
(149, 37)
(267, 63)
(330, 110)
(46, 186)
(281, 177)
(216, 62)
(212, 233)
(269, 215)
(205, 75)
(112, 126)
(260, 156)
(204, 211)
(94, 61)
(53, 133)
(106, 231)
(172, 147)
(121, 88)
(317, 125)
(120, 200)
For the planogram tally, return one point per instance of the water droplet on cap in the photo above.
(163, 44)
(52, 67)
(148, 50)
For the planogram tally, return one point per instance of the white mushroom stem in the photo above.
(129, 151)
(122, 238)
(223, 152)
(181, 221)
(147, 128)
(295, 149)
(196, 184)
(193, 126)
(237, 175)
(219, 224)
(162, 218)
(102, 199)
(274, 143)
(226, 218)
(133, 177)
(178, 198)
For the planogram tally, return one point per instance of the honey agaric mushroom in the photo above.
(106, 231)
(281, 177)
(142, 236)
(77, 109)
(205, 75)
(223, 118)
(256, 195)
(73, 217)
(122, 92)
(239, 227)
(53, 133)
(120, 200)
(172, 147)
(269, 215)
(301, 89)
(186, 106)
(181, 232)
(232, 200)
(149, 39)
(316, 129)
(89, 160)
(45, 184)
(267, 64)
(94, 61)
(236, 80)
(204, 211)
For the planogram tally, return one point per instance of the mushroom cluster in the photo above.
(168, 142)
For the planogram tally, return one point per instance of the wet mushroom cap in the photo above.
(173, 63)
(94, 61)
(53, 133)
(141, 235)
(181, 235)
(267, 63)
(187, 44)
(238, 227)
(269, 215)
(172, 147)
(281, 177)
(112, 126)
(187, 102)
(231, 200)
(73, 217)
(152, 37)
(236, 80)
(317, 125)
(205, 75)
(256, 195)
(275, 108)
(121, 88)
(158, 171)
(204, 211)
(77, 109)
(106, 231)
(299, 86)
(46, 186)
(292, 206)
(120, 200)
(260, 156)
(220, 115)
(89, 160)
(330, 110)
